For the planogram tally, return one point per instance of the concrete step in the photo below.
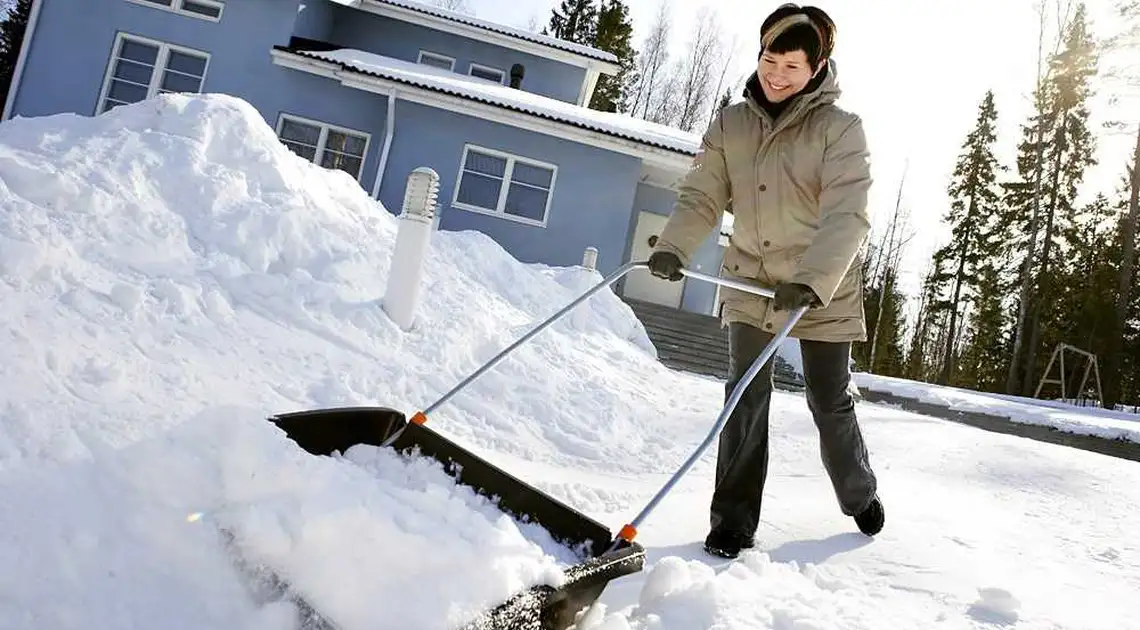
(695, 342)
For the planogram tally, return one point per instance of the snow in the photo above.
(170, 275)
(472, 87)
(1115, 425)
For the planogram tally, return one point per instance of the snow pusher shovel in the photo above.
(605, 556)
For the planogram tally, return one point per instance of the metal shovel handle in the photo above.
(607, 281)
(629, 531)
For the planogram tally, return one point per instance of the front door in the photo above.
(640, 284)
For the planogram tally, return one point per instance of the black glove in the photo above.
(790, 295)
(666, 265)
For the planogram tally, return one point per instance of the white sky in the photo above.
(915, 70)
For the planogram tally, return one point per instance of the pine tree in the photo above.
(1065, 151)
(890, 358)
(928, 341)
(974, 206)
(11, 38)
(613, 33)
(1081, 309)
(1125, 292)
(986, 352)
(1071, 153)
(574, 21)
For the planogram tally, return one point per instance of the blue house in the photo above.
(377, 88)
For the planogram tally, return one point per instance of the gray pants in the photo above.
(742, 457)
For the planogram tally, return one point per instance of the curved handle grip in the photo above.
(730, 283)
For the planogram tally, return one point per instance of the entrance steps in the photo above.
(694, 342)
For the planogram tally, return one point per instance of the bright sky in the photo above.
(915, 70)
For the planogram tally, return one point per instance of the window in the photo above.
(141, 68)
(486, 72)
(504, 185)
(443, 62)
(327, 145)
(204, 9)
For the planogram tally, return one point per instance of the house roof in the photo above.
(492, 27)
(471, 88)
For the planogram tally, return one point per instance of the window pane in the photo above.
(340, 161)
(435, 62)
(186, 63)
(138, 51)
(300, 132)
(161, 3)
(533, 175)
(126, 92)
(201, 8)
(303, 150)
(344, 143)
(486, 164)
(479, 190)
(133, 72)
(490, 75)
(524, 201)
(174, 82)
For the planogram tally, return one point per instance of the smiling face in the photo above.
(783, 75)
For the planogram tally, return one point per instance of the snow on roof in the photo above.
(502, 29)
(424, 76)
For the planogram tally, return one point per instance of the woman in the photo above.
(795, 168)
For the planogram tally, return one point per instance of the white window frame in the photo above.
(164, 50)
(323, 138)
(176, 7)
(478, 66)
(504, 188)
(428, 53)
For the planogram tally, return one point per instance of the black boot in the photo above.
(870, 520)
(727, 544)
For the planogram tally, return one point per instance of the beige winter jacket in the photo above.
(799, 204)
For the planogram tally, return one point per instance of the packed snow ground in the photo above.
(170, 274)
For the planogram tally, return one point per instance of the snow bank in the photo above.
(1114, 425)
(170, 259)
(131, 537)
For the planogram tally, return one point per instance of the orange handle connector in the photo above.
(627, 533)
(418, 418)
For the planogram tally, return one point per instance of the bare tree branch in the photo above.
(695, 89)
(652, 60)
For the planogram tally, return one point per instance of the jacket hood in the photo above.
(822, 90)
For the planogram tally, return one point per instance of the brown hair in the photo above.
(792, 27)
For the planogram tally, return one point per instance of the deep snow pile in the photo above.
(171, 258)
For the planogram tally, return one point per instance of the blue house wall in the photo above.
(596, 191)
(697, 295)
(57, 79)
(353, 28)
(591, 201)
(315, 19)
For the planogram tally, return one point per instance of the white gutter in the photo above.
(25, 46)
(389, 129)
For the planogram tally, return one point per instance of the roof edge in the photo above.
(541, 45)
(655, 152)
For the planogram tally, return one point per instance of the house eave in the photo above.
(490, 37)
(659, 157)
